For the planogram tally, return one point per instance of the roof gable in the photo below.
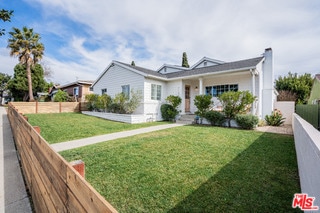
(205, 61)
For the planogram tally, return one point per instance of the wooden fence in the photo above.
(49, 107)
(54, 185)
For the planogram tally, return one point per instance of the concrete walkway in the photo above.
(101, 138)
(13, 195)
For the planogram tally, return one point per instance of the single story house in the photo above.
(315, 91)
(207, 76)
(77, 90)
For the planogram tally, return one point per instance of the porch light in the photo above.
(196, 88)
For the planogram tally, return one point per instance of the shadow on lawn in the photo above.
(263, 178)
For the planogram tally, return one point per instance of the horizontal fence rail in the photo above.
(310, 113)
(54, 185)
(49, 107)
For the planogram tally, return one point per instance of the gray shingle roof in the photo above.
(229, 66)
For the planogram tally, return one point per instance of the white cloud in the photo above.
(155, 32)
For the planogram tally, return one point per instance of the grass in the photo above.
(194, 169)
(60, 127)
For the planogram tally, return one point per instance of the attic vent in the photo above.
(205, 63)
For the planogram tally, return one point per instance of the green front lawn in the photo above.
(60, 127)
(194, 169)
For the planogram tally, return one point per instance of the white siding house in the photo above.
(208, 76)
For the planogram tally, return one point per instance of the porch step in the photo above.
(186, 119)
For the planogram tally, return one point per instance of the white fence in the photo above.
(287, 109)
(307, 143)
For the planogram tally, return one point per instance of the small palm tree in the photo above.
(25, 44)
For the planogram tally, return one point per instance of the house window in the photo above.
(217, 90)
(155, 92)
(126, 90)
(103, 91)
(76, 91)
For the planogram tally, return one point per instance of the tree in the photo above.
(234, 103)
(4, 79)
(25, 44)
(185, 60)
(18, 85)
(203, 103)
(5, 15)
(295, 85)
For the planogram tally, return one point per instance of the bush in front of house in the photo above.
(121, 103)
(215, 118)
(235, 102)
(103, 102)
(247, 121)
(203, 103)
(275, 119)
(133, 102)
(168, 112)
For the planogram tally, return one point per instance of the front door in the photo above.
(187, 98)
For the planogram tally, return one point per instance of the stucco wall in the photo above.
(307, 144)
(286, 108)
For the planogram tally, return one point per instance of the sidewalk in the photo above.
(101, 138)
(13, 195)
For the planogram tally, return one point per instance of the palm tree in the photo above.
(25, 44)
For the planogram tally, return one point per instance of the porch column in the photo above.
(253, 90)
(200, 86)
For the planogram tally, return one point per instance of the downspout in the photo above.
(253, 83)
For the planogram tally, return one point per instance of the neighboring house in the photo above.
(77, 90)
(208, 76)
(315, 91)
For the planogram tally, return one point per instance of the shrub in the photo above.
(168, 112)
(275, 119)
(175, 101)
(247, 121)
(234, 103)
(91, 101)
(215, 118)
(114, 108)
(132, 104)
(103, 102)
(61, 96)
(203, 103)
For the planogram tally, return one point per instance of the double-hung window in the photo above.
(126, 90)
(155, 92)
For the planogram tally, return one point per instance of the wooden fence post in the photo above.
(36, 107)
(79, 166)
(37, 128)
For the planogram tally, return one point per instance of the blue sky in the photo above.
(82, 37)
